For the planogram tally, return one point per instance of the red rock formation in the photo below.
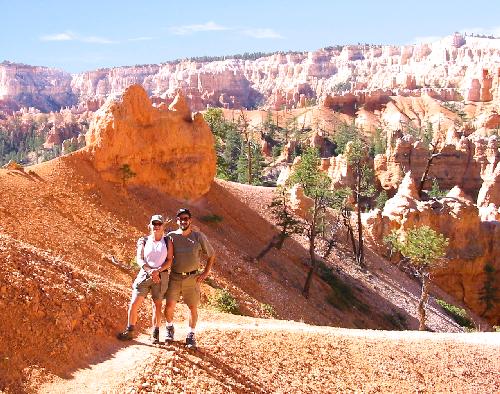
(288, 151)
(166, 149)
(472, 244)
(465, 162)
(490, 190)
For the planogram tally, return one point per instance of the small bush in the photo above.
(268, 310)
(213, 218)
(381, 200)
(133, 263)
(456, 313)
(396, 319)
(223, 301)
(209, 281)
(276, 151)
(435, 191)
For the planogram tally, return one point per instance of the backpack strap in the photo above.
(144, 240)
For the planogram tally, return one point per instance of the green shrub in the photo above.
(276, 151)
(213, 218)
(268, 310)
(456, 313)
(209, 281)
(381, 200)
(435, 191)
(126, 173)
(223, 301)
(133, 263)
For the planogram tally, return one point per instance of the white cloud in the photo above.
(190, 29)
(141, 39)
(70, 36)
(262, 33)
(66, 36)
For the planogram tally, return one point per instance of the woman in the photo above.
(154, 256)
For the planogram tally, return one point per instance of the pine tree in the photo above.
(285, 221)
(316, 185)
(356, 154)
(424, 249)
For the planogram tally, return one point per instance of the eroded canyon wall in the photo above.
(449, 69)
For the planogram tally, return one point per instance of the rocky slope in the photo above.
(450, 69)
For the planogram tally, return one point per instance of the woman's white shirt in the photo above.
(155, 252)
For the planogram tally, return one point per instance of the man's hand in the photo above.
(155, 275)
(201, 277)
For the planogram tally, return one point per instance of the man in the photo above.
(185, 278)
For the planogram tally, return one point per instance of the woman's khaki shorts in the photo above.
(188, 287)
(143, 284)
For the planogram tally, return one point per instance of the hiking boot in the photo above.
(169, 337)
(126, 335)
(155, 336)
(190, 341)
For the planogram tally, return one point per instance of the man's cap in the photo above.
(183, 211)
(156, 218)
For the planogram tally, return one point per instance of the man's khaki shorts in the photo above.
(188, 287)
(144, 284)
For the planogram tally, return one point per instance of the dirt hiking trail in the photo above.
(243, 355)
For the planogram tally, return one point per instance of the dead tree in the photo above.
(434, 153)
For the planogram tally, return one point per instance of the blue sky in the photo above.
(79, 36)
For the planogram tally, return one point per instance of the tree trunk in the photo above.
(276, 242)
(360, 258)
(350, 232)
(329, 248)
(266, 250)
(424, 296)
(249, 153)
(427, 168)
(307, 285)
(312, 244)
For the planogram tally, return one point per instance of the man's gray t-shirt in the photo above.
(188, 250)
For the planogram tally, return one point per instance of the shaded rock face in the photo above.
(165, 148)
(344, 79)
(474, 246)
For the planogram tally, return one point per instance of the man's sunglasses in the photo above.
(183, 218)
